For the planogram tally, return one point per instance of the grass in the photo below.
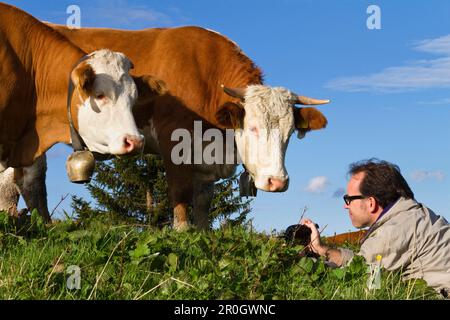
(136, 262)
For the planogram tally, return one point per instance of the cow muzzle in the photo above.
(133, 144)
(277, 184)
(272, 183)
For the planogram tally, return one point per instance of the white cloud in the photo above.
(317, 184)
(420, 74)
(121, 13)
(437, 46)
(339, 193)
(421, 175)
(442, 101)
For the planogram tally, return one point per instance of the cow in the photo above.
(209, 79)
(42, 74)
(353, 238)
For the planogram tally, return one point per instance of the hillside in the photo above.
(99, 260)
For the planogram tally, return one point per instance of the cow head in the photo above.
(264, 120)
(104, 94)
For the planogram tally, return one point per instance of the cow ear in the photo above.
(149, 88)
(307, 119)
(230, 116)
(83, 78)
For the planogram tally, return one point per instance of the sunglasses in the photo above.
(348, 199)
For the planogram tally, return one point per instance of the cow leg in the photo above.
(180, 217)
(31, 184)
(203, 195)
(180, 190)
(9, 194)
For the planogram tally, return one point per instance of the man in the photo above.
(405, 233)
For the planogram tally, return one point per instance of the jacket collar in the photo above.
(389, 211)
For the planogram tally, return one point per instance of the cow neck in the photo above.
(77, 141)
(52, 82)
(233, 69)
(44, 59)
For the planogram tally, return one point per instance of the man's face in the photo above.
(358, 209)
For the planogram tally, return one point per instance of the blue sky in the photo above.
(390, 89)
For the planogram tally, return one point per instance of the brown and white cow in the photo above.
(35, 65)
(194, 63)
(353, 238)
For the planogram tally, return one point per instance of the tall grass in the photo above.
(136, 262)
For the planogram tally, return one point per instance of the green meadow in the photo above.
(97, 259)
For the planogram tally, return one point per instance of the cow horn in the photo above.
(309, 101)
(234, 92)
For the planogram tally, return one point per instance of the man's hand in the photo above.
(334, 256)
(315, 244)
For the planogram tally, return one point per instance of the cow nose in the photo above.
(278, 184)
(133, 143)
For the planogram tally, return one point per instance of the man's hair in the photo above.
(382, 180)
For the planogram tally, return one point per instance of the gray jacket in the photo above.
(412, 237)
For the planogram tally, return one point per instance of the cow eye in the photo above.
(100, 96)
